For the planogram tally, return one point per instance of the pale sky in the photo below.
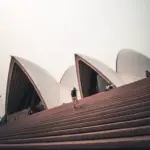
(49, 32)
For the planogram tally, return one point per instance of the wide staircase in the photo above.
(119, 118)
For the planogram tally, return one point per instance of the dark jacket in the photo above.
(74, 93)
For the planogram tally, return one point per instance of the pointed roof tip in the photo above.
(11, 56)
(14, 57)
(76, 54)
(79, 55)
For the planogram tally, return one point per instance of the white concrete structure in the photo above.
(64, 94)
(104, 70)
(22, 71)
(72, 76)
(69, 77)
(131, 65)
(69, 80)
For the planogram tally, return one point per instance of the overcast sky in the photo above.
(49, 32)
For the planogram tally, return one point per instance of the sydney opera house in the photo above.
(26, 78)
(28, 83)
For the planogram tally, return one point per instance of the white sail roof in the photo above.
(131, 65)
(44, 83)
(105, 70)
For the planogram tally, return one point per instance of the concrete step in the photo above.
(101, 112)
(71, 109)
(124, 89)
(118, 133)
(103, 127)
(127, 142)
(103, 106)
(104, 121)
(75, 122)
(115, 93)
(113, 137)
(132, 108)
(99, 108)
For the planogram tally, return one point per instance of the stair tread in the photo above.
(132, 129)
(103, 127)
(66, 124)
(117, 118)
(83, 115)
(87, 143)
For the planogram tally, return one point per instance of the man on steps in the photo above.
(74, 97)
(147, 73)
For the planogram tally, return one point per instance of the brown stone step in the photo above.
(41, 112)
(127, 142)
(100, 108)
(118, 133)
(71, 124)
(103, 127)
(104, 121)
